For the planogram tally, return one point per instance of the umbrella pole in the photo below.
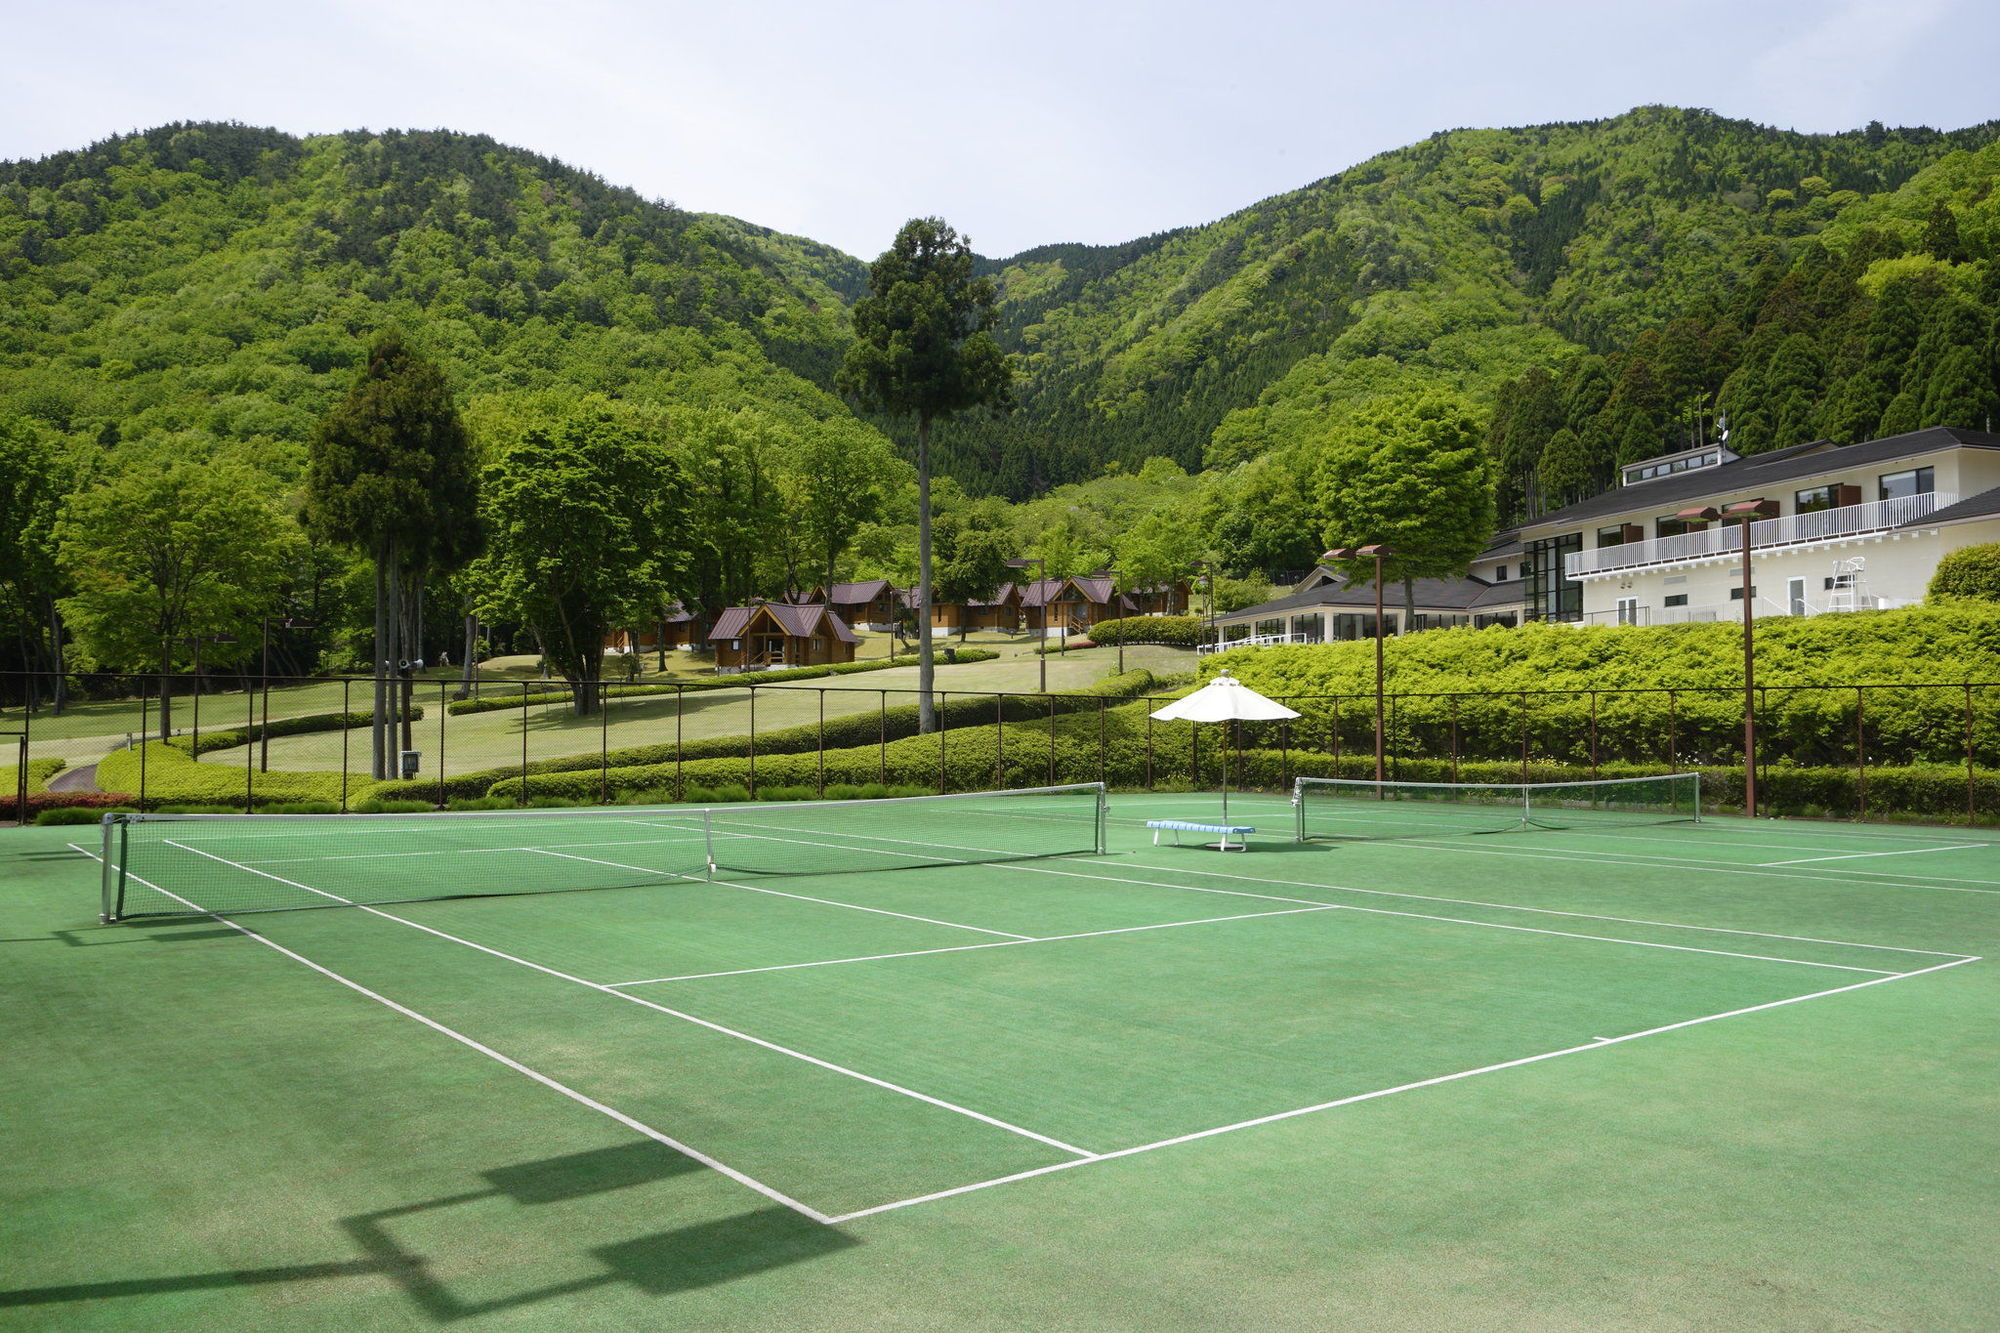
(1226, 739)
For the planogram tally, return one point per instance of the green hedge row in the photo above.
(228, 738)
(175, 777)
(1174, 631)
(851, 731)
(494, 703)
(1486, 693)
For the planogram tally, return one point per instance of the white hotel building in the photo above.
(1858, 527)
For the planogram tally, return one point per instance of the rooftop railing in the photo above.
(1723, 539)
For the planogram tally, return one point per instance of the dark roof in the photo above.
(1463, 594)
(1760, 471)
(857, 594)
(1501, 543)
(798, 622)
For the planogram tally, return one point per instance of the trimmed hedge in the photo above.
(851, 731)
(972, 756)
(39, 773)
(558, 695)
(175, 777)
(228, 738)
(1173, 631)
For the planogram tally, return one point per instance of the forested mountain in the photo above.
(1596, 291)
(1465, 259)
(220, 278)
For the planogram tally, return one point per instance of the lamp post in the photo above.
(1746, 512)
(1041, 619)
(195, 641)
(264, 733)
(1376, 552)
(1112, 574)
(1208, 584)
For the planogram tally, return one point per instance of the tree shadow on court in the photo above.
(686, 1258)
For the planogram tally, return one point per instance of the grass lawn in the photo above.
(1728, 1075)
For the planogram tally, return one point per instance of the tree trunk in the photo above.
(926, 668)
(471, 647)
(61, 685)
(166, 689)
(378, 733)
(413, 645)
(1409, 605)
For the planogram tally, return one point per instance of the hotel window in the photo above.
(1677, 599)
(1552, 594)
(1917, 481)
(1674, 527)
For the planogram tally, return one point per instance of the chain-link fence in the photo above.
(1839, 750)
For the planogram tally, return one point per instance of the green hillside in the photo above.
(1468, 257)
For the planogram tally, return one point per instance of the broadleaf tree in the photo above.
(587, 522)
(172, 549)
(922, 350)
(974, 544)
(1409, 472)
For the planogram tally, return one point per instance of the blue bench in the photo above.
(1180, 826)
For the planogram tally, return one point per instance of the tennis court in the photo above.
(959, 1010)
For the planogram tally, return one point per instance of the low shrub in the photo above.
(228, 738)
(40, 802)
(559, 695)
(855, 730)
(1173, 631)
(39, 773)
(174, 776)
(78, 814)
(375, 805)
(301, 808)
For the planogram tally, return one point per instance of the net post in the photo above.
(111, 885)
(1103, 818)
(1298, 809)
(1697, 797)
(708, 839)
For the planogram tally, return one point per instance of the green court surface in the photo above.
(1724, 1074)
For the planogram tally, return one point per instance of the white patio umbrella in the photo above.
(1224, 699)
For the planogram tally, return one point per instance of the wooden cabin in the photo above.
(873, 604)
(679, 628)
(1001, 611)
(771, 635)
(1072, 605)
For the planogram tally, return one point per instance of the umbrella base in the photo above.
(1227, 846)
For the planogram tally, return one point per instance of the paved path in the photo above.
(81, 778)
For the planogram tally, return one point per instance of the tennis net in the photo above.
(177, 865)
(1346, 808)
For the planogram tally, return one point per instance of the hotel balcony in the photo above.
(1823, 527)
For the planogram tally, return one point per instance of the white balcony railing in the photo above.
(1726, 538)
(1254, 641)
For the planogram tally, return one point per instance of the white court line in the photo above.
(1515, 907)
(513, 1064)
(1345, 907)
(1850, 856)
(660, 1008)
(1595, 1044)
(962, 948)
(1641, 860)
(804, 898)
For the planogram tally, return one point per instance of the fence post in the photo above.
(999, 742)
(444, 709)
(1285, 751)
(882, 739)
(604, 743)
(1673, 740)
(821, 790)
(1593, 733)
(346, 706)
(1524, 735)
(1861, 751)
(1194, 753)
(1052, 740)
(524, 742)
(1101, 714)
(680, 702)
(943, 726)
(1454, 738)
(250, 737)
(1334, 714)
(1149, 742)
(751, 777)
(1971, 789)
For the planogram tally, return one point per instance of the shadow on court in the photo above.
(681, 1259)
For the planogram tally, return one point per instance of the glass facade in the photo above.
(1552, 595)
(1818, 498)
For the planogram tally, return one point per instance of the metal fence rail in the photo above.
(1844, 750)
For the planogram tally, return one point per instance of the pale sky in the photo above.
(1021, 123)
